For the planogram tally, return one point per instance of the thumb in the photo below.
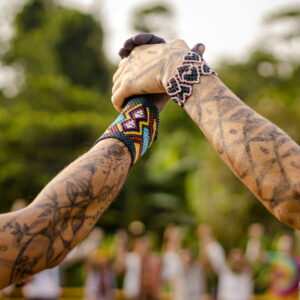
(199, 48)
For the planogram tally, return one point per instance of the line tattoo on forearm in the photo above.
(66, 210)
(257, 151)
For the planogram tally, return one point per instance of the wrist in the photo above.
(189, 73)
(171, 66)
(136, 126)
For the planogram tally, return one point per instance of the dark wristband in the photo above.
(136, 126)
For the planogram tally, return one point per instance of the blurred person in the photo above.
(44, 285)
(234, 273)
(194, 281)
(172, 265)
(254, 244)
(141, 267)
(255, 254)
(280, 269)
(74, 265)
(284, 270)
(90, 244)
(100, 281)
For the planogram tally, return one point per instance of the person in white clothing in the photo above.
(194, 279)
(100, 281)
(172, 265)
(43, 286)
(234, 274)
(141, 268)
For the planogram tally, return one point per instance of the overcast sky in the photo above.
(226, 27)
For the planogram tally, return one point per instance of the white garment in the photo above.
(45, 284)
(231, 286)
(172, 265)
(194, 282)
(173, 274)
(253, 250)
(132, 279)
(93, 289)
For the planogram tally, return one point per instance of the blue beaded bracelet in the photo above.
(136, 126)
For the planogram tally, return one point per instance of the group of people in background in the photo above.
(130, 263)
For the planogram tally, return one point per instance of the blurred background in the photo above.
(56, 63)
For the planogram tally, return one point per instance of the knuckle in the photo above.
(132, 53)
(114, 78)
(123, 62)
(180, 43)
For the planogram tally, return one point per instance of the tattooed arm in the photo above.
(41, 235)
(260, 154)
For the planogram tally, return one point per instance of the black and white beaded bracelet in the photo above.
(180, 86)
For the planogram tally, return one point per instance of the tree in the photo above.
(63, 105)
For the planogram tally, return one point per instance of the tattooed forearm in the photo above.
(264, 157)
(41, 235)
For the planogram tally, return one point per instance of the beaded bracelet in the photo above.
(136, 126)
(180, 86)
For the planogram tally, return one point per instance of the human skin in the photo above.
(259, 153)
(40, 235)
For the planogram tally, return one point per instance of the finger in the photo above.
(138, 40)
(142, 38)
(199, 49)
(116, 85)
(119, 97)
(124, 53)
(120, 70)
(117, 75)
(133, 42)
(147, 38)
(129, 44)
(156, 40)
(179, 43)
(123, 62)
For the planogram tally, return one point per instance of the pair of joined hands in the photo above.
(147, 64)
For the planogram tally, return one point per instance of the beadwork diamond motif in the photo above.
(180, 86)
(136, 126)
(188, 74)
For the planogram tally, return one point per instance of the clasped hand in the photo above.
(148, 62)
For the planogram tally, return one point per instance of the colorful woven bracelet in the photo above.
(136, 126)
(180, 86)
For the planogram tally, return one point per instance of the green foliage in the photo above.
(32, 17)
(79, 42)
(52, 120)
(60, 41)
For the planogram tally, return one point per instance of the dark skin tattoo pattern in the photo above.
(42, 234)
(265, 158)
(156, 60)
(260, 154)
